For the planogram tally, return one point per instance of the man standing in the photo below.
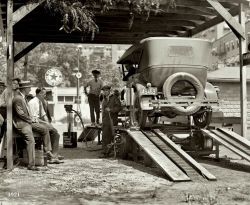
(111, 106)
(95, 87)
(39, 115)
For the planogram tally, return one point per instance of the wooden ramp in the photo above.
(170, 169)
(88, 134)
(231, 140)
(193, 169)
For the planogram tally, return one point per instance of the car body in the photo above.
(169, 77)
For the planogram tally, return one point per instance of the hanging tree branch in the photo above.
(79, 15)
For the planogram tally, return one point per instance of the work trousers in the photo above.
(54, 136)
(94, 105)
(43, 130)
(27, 134)
(107, 131)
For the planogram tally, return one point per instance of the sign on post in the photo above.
(53, 77)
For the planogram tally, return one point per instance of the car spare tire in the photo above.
(182, 76)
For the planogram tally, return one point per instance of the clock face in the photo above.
(53, 77)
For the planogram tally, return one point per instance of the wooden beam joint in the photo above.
(25, 51)
(23, 11)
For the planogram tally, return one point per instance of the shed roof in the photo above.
(189, 17)
(226, 74)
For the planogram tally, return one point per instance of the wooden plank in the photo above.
(195, 164)
(236, 136)
(232, 141)
(25, 51)
(226, 144)
(228, 17)
(10, 72)
(171, 170)
(24, 10)
(173, 155)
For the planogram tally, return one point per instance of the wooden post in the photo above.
(243, 77)
(25, 64)
(10, 69)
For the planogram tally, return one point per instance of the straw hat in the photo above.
(25, 84)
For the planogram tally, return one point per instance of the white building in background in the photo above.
(61, 96)
(104, 50)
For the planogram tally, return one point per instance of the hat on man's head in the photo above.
(25, 84)
(96, 72)
(2, 84)
(106, 87)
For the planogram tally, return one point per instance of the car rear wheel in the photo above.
(140, 116)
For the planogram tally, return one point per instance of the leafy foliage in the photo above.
(78, 15)
(64, 57)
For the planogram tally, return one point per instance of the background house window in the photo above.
(228, 46)
(60, 98)
(69, 99)
(232, 44)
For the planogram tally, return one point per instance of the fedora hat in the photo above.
(25, 84)
(96, 72)
(2, 84)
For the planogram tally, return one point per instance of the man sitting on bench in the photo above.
(24, 124)
(38, 113)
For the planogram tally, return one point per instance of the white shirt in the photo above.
(95, 86)
(36, 108)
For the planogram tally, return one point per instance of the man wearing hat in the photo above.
(24, 123)
(111, 106)
(95, 85)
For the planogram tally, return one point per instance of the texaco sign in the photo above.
(53, 77)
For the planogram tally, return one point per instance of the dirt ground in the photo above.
(86, 179)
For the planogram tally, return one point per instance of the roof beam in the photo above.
(25, 51)
(209, 23)
(227, 17)
(200, 3)
(24, 11)
(204, 10)
(1, 23)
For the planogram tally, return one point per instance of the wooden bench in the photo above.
(19, 148)
(21, 152)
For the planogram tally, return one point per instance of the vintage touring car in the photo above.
(167, 76)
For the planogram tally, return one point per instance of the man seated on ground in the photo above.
(38, 113)
(26, 125)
